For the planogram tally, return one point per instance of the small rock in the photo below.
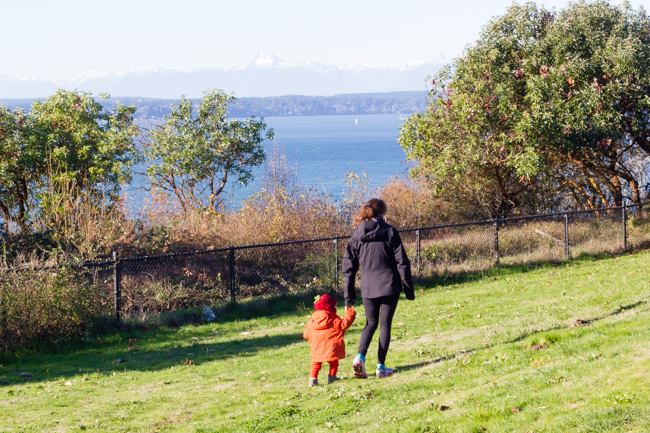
(208, 315)
(25, 374)
(478, 316)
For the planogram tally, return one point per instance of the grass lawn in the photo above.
(465, 346)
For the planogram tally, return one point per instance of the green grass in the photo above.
(464, 343)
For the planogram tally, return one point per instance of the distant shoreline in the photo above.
(277, 106)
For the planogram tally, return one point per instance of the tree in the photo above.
(592, 97)
(192, 156)
(544, 108)
(66, 144)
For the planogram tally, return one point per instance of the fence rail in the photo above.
(144, 284)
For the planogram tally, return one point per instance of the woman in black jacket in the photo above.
(377, 248)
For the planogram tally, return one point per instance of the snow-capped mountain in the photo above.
(265, 75)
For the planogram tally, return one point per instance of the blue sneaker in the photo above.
(384, 372)
(359, 367)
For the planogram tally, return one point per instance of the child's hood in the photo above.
(322, 319)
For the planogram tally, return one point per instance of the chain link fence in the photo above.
(142, 286)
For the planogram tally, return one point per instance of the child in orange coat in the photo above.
(325, 333)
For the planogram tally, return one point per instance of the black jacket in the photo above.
(377, 248)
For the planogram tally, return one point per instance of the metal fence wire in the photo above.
(137, 286)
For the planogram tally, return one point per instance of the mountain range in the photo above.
(263, 76)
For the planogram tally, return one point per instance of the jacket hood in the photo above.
(373, 230)
(320, 319)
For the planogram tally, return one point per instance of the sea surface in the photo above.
(322, 149)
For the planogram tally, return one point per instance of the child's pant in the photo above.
(316, 366)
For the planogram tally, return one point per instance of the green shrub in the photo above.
(47, 304)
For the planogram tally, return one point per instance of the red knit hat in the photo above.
(325, 303)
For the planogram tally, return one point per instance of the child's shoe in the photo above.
(359, 367)
(313, 381)
(332, 379)
(384, 372)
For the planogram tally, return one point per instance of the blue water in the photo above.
(321, 149)
(324, 148)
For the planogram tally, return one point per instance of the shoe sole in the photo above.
(359, 371)
(385, 375)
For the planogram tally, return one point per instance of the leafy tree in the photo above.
(592, 95)
(193, 155)
(544, 108)
(66, 144)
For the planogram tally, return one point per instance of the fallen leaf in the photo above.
(194, 338)
(539, 346)
(246, 333)
(400, 324)
(189, 362)
(25, 374)
(215, 332)
(478, 316)
(549, 284)
(329, 424)
(118, 361)
(68, 383)
(514, 410)
(442, 407)
(357, 414)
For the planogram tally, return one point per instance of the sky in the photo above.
(58, 40)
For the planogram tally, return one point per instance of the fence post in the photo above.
(336, 264)
(117, 289)
(496, 238)
(232, 275)
(566, 236)
(418, 253)
(624, 221)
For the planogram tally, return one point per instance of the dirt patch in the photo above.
(580, 322)
(539, 346)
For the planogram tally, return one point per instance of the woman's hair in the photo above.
(374, 208)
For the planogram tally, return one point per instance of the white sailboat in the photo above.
(356, 121)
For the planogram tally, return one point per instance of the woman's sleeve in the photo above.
(350, 268)
(403, 265)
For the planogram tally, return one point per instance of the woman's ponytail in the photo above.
(374, 208)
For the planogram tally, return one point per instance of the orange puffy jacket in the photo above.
(325, 333)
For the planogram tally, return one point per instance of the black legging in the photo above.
(379, 311)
